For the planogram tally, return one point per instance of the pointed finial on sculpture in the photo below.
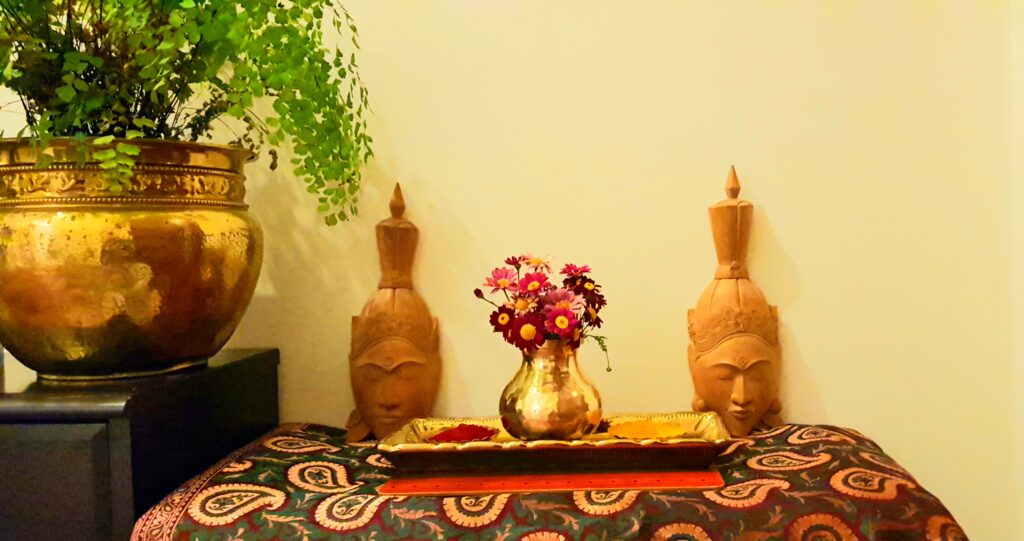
(397, 202)
(732, 185)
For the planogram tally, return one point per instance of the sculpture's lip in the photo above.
(390, 420)
(740, 414)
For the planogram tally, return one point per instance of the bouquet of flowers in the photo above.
(535, 309)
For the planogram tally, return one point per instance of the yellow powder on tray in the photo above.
(640, 430)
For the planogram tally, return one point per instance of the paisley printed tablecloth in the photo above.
(795, 482)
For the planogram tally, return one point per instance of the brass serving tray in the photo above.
(411, 451)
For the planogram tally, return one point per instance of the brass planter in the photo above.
(95, 285)
(550, 398)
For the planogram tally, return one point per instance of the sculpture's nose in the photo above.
(740, 394)
(388, 397)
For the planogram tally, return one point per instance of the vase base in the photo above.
(121, 375)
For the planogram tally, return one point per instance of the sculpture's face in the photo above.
(394, 382)
(739, 380)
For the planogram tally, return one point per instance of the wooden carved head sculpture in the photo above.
(734, 353)
(394, 363)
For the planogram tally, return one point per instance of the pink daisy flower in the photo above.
(563, 299)
(533, 283)
(501, 279)
(562, 322)
(572, 270)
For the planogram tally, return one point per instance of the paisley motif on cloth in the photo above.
(787, 461)
(237, 466)
(379, 461)
(820, 527)
(293, 445)
(474, 511)
(544, 536)
(737, 444)
(681, 531)
(745, 494)
(603, 502)
(885, 462)
(868, 484)
(218, 505)
(809, 434)
(322, 477)
(944, 528)
(343, 512)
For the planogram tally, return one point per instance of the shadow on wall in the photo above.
(449, 294)
(314, 279)
(775, 273)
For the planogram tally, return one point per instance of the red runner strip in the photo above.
(559, 482)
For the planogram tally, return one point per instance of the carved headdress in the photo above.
(731, 303)
(395, 311)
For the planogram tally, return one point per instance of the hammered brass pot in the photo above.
(550, 398)
(97, 285)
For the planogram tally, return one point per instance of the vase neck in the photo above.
(557, 351)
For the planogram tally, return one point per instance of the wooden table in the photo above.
(83, 461)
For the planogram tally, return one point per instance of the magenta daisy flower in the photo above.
(528, 332)
(562, 322)
(501, 279)
(565, 299)
(572, 270)
(533, 283)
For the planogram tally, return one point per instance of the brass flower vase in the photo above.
(97, 285)
(549, 397)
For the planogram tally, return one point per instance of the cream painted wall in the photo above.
(1018, 252)
(875, 139)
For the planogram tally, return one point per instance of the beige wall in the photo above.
(875, 139)
(1017, 363)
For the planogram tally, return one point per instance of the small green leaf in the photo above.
(66, 93)
(187, 4)
(131, 150)
(105, 140)
(104, 155)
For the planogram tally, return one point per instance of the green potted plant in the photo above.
(125, 245)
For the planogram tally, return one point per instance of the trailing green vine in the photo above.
(107, 72)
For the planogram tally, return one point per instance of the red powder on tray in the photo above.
(464, 432)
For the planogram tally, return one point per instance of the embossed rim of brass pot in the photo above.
(70, 250)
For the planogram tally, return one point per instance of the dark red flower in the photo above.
(591, 318)
(528, 332)
(516, 261)
(478, 293)
(501, 320)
